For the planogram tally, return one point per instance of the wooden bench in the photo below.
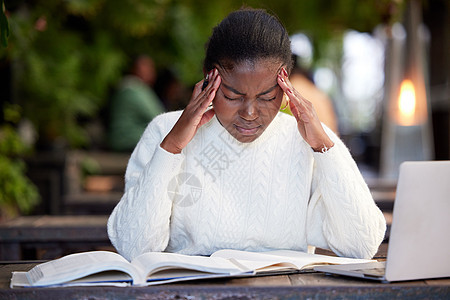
(49, 237)
(98, 189)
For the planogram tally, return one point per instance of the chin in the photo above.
(246, 138)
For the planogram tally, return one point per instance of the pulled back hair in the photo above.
(248, 35)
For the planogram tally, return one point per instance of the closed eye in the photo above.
(232, 99)
(268, 99)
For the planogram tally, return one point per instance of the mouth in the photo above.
(247, 130)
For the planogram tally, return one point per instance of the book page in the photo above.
(75, 266)
(105, 278)
(19, 279)
(157, 262)
(280, 259)
(108, 278)
(309, 259)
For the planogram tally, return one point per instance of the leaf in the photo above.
(4, 26)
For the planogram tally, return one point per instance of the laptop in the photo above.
(419, 240)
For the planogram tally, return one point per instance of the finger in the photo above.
(205, 82)
(203, 100)
(297, 103)
(304, 108)
(209, 80)
(286, 86)
(283, 81)
(294, 110)
(198, 88)
(297, 99)
(203, 87)
(210, 91)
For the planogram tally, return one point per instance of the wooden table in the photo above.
(295, 286)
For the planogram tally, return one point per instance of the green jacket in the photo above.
(133, 106)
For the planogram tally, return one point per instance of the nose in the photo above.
(249, 110)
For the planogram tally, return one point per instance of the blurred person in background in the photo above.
(133, 105)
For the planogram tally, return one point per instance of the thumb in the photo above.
(294, 110)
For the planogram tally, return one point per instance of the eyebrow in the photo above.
(242, 94)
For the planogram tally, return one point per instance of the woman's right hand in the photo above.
(194, 115)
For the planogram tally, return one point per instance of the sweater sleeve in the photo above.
(140, 221)
(342, 215)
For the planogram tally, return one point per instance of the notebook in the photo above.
(419, 240)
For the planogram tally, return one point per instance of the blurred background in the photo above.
(381, 66)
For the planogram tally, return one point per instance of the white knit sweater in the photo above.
(273, 193)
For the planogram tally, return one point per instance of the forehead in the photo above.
(251, 76)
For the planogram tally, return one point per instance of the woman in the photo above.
(241, 174)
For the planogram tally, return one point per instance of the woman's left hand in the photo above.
(308, 123)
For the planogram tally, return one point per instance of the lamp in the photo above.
(406, 133)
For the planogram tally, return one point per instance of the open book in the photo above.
(110, 268)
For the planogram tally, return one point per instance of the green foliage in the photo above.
(18, 194)
(4, 26)
(63, 74)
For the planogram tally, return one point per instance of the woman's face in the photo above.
(248, 98)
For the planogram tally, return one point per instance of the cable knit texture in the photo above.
(273, 193)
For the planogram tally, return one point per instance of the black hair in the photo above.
(248, 35)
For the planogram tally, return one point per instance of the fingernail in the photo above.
(289, 91)
(285, 72)
(211, 72)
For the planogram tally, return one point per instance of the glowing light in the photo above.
(407, 103)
